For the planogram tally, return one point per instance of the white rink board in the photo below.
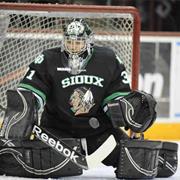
(100, 173)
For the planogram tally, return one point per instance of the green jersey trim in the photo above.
(38, 92)
(113, 96)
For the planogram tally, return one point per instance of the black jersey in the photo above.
(74, 103)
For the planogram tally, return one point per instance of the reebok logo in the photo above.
(57, 145)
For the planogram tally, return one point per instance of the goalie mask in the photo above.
(77, 43)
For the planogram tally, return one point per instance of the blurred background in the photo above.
(159, 56)
(156, 15)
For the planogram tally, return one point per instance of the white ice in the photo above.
(100, 173)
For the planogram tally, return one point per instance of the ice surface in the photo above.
(100, 173)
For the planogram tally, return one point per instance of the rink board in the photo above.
(164, 131)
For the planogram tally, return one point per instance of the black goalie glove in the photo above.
(135, 111)
(20, 115)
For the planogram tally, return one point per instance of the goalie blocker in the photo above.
(20, 115)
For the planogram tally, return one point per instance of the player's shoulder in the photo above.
(103, 50)
(105, 55)
(48, 55)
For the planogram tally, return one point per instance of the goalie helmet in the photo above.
(77, 43)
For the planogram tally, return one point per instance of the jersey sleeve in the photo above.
(119, 86)
(37, 78)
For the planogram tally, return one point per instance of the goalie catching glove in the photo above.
(135, 111)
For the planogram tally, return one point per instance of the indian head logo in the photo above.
(81, 101)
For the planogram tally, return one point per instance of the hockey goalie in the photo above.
(84, 93)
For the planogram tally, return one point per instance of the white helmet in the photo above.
(77, 43)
